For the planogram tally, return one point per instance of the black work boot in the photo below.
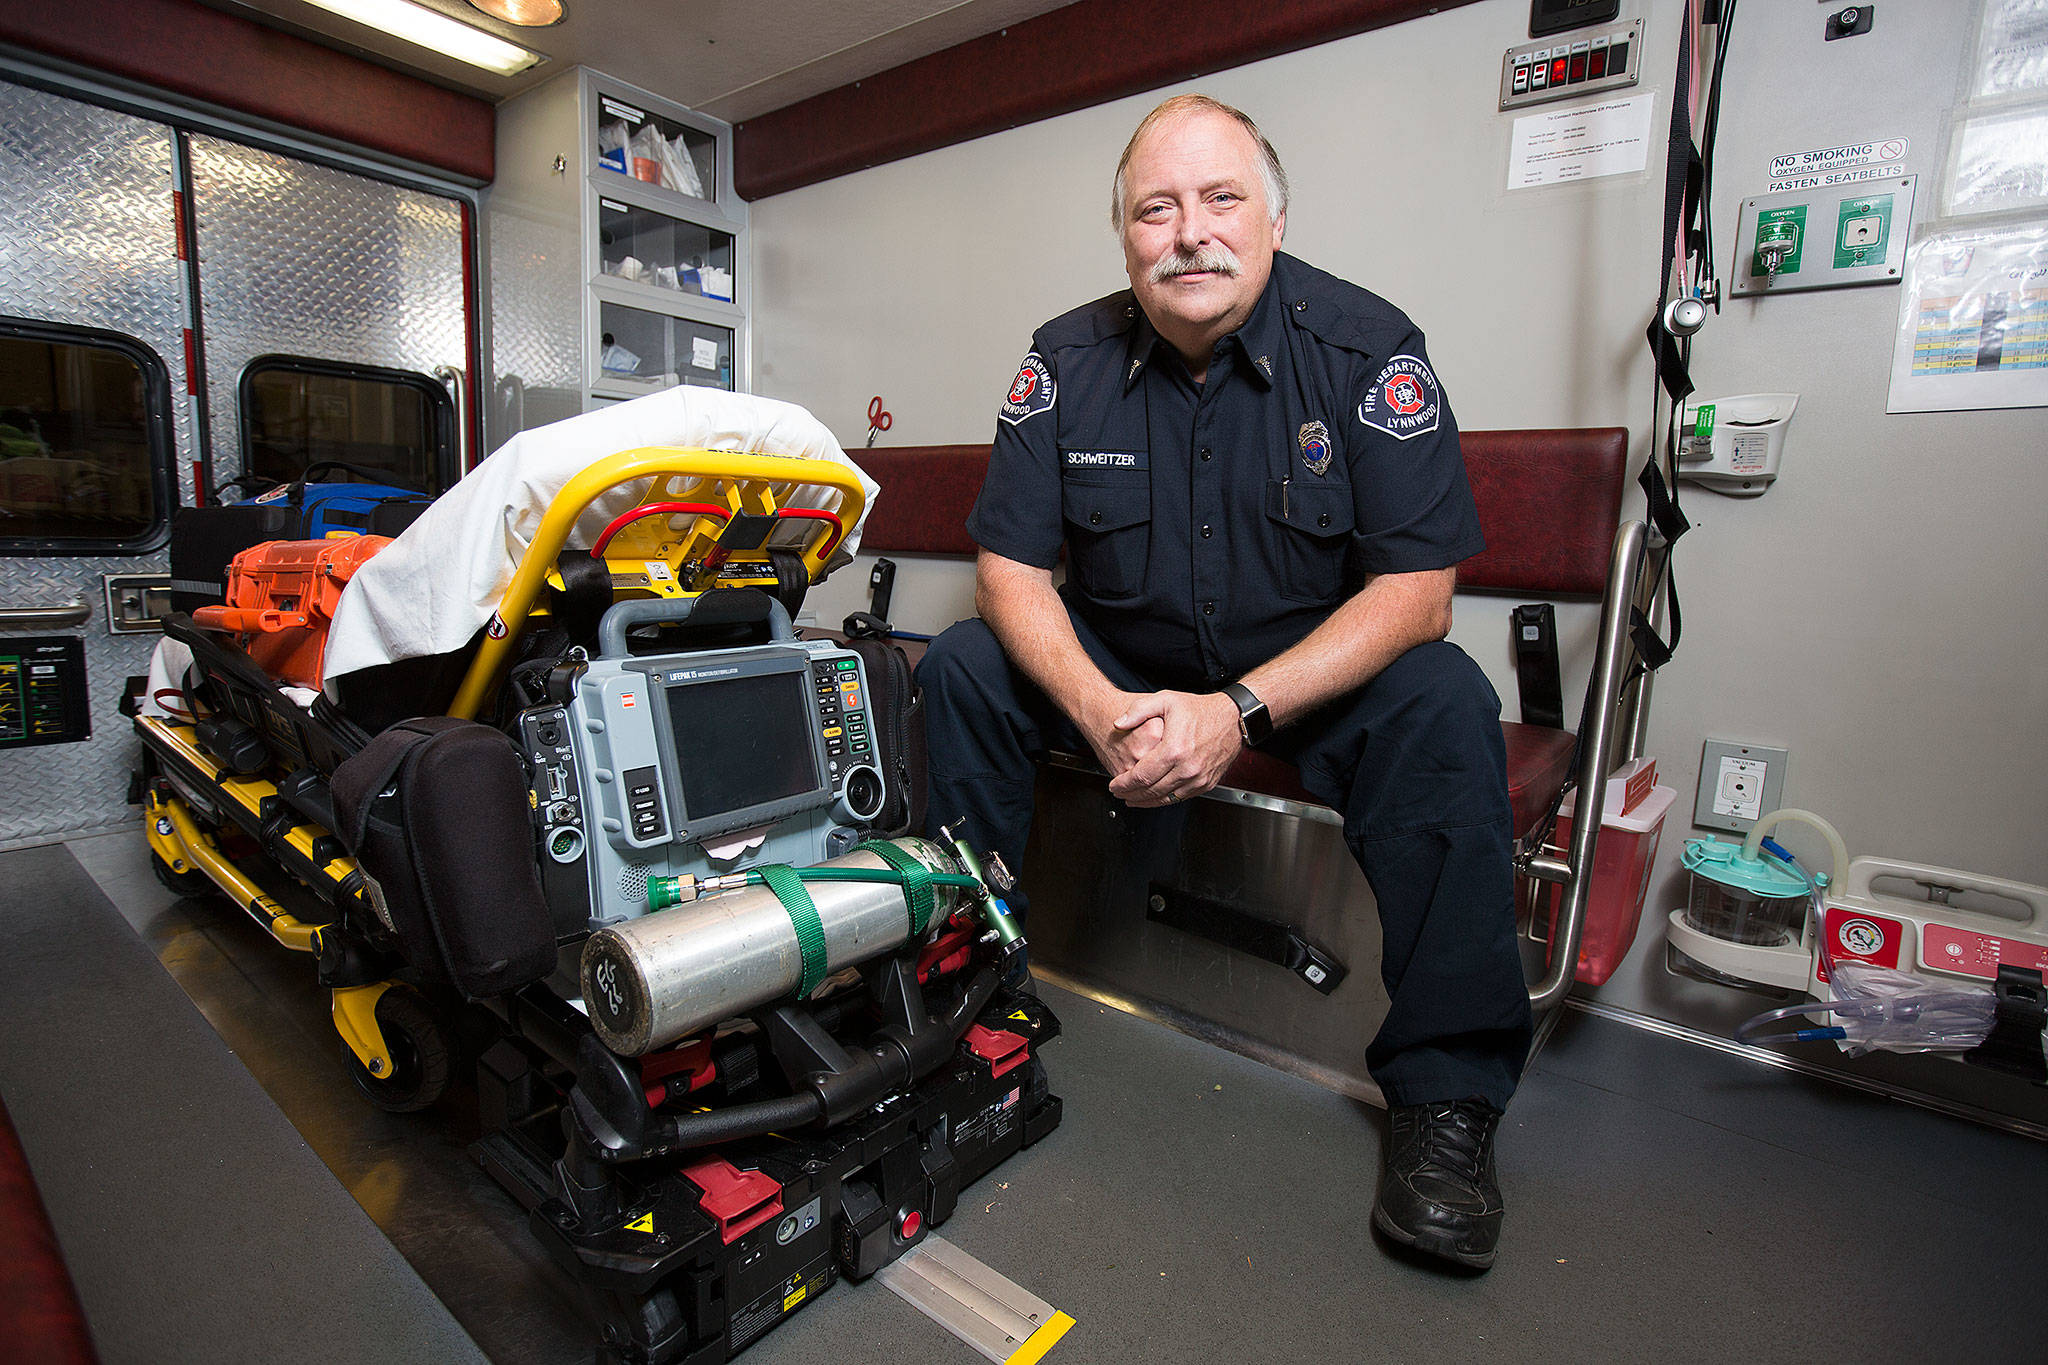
(1437, 1192)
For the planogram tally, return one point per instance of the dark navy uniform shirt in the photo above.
(1210, 528)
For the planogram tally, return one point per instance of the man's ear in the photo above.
(1280, 227)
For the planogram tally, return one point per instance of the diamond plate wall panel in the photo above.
(536, 300)
(298, 259)
(90, 238)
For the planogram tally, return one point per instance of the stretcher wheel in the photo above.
(193, 883)
(419, 1055)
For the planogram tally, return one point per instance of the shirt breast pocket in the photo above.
(1109, 533)
(1312, 523)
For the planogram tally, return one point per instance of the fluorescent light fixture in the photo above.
(434, 30)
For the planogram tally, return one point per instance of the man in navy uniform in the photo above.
(1257, 481)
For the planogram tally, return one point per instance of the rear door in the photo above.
(180, 308)
(332, 312)
(94, 439)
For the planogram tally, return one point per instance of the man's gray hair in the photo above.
(1180, 106)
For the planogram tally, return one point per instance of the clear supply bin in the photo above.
(633, 141)
(646, 351)
(644, 246)
(1622, 859)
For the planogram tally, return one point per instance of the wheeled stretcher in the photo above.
(744, 1040)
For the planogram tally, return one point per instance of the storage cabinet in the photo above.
(618, 252)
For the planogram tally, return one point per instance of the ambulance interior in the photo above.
(583, 402)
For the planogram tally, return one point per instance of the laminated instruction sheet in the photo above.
(1973, 322)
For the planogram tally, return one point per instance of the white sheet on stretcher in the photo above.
(431, 589)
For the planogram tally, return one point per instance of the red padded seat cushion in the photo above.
(39, 1310)
(1548, 502)
(927, 492)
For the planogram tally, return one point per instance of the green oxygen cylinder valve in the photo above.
(993, 909)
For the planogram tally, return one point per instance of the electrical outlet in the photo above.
(1739, 785)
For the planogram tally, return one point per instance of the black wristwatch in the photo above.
(1254, 722)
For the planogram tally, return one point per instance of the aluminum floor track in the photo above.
(1665, 1201)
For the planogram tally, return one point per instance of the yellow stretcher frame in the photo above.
(739, 482)
(742, 482)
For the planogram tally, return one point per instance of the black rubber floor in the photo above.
(1664, 1202)
(197, 1224)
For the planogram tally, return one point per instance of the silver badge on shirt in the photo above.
(1316, 449)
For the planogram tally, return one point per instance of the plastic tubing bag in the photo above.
(1877, 1009)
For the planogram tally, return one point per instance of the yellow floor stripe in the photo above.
(1032, 1351)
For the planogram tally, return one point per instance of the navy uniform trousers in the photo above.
(1415, 762)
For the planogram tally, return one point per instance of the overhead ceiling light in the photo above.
(434, 30)
(525, 13)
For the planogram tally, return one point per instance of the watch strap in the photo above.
(1254, 722)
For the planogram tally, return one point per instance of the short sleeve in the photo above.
(1414, 505)
(1017, 514)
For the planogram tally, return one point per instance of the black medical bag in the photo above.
(435, 811)
(205, 539)
(898, 709)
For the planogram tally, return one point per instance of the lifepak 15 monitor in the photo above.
(747, 742)
(657, 761)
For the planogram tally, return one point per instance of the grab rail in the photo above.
(1596, 750)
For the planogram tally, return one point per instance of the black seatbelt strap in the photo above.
(1682, 179)
(1537, 677)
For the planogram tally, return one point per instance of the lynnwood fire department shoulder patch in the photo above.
(1030, 393)
(1405, 401)
(1315, 447)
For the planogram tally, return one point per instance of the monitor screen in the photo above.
(743, 742)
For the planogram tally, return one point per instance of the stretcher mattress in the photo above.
(434, 586)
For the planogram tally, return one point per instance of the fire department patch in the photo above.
(1404, 401)
(1030, 393)
(1315, 447)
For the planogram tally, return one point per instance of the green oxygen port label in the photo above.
(1703, 422)
(1780, 233)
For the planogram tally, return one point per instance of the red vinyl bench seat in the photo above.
(1549, 501)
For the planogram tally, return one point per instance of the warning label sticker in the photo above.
(1845, 165)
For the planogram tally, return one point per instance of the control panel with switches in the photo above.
(1564, 67)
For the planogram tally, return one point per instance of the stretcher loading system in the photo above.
(740, 1040)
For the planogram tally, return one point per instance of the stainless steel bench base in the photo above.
(1089, 869)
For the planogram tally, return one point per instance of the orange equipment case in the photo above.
(281, 597)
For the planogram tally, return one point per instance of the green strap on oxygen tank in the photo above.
(917, 881)
(803, 917)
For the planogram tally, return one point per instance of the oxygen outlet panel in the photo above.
(1850, 232)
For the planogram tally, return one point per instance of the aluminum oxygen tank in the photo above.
(668, 974)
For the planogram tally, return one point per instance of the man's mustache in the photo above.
(1215, 258)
